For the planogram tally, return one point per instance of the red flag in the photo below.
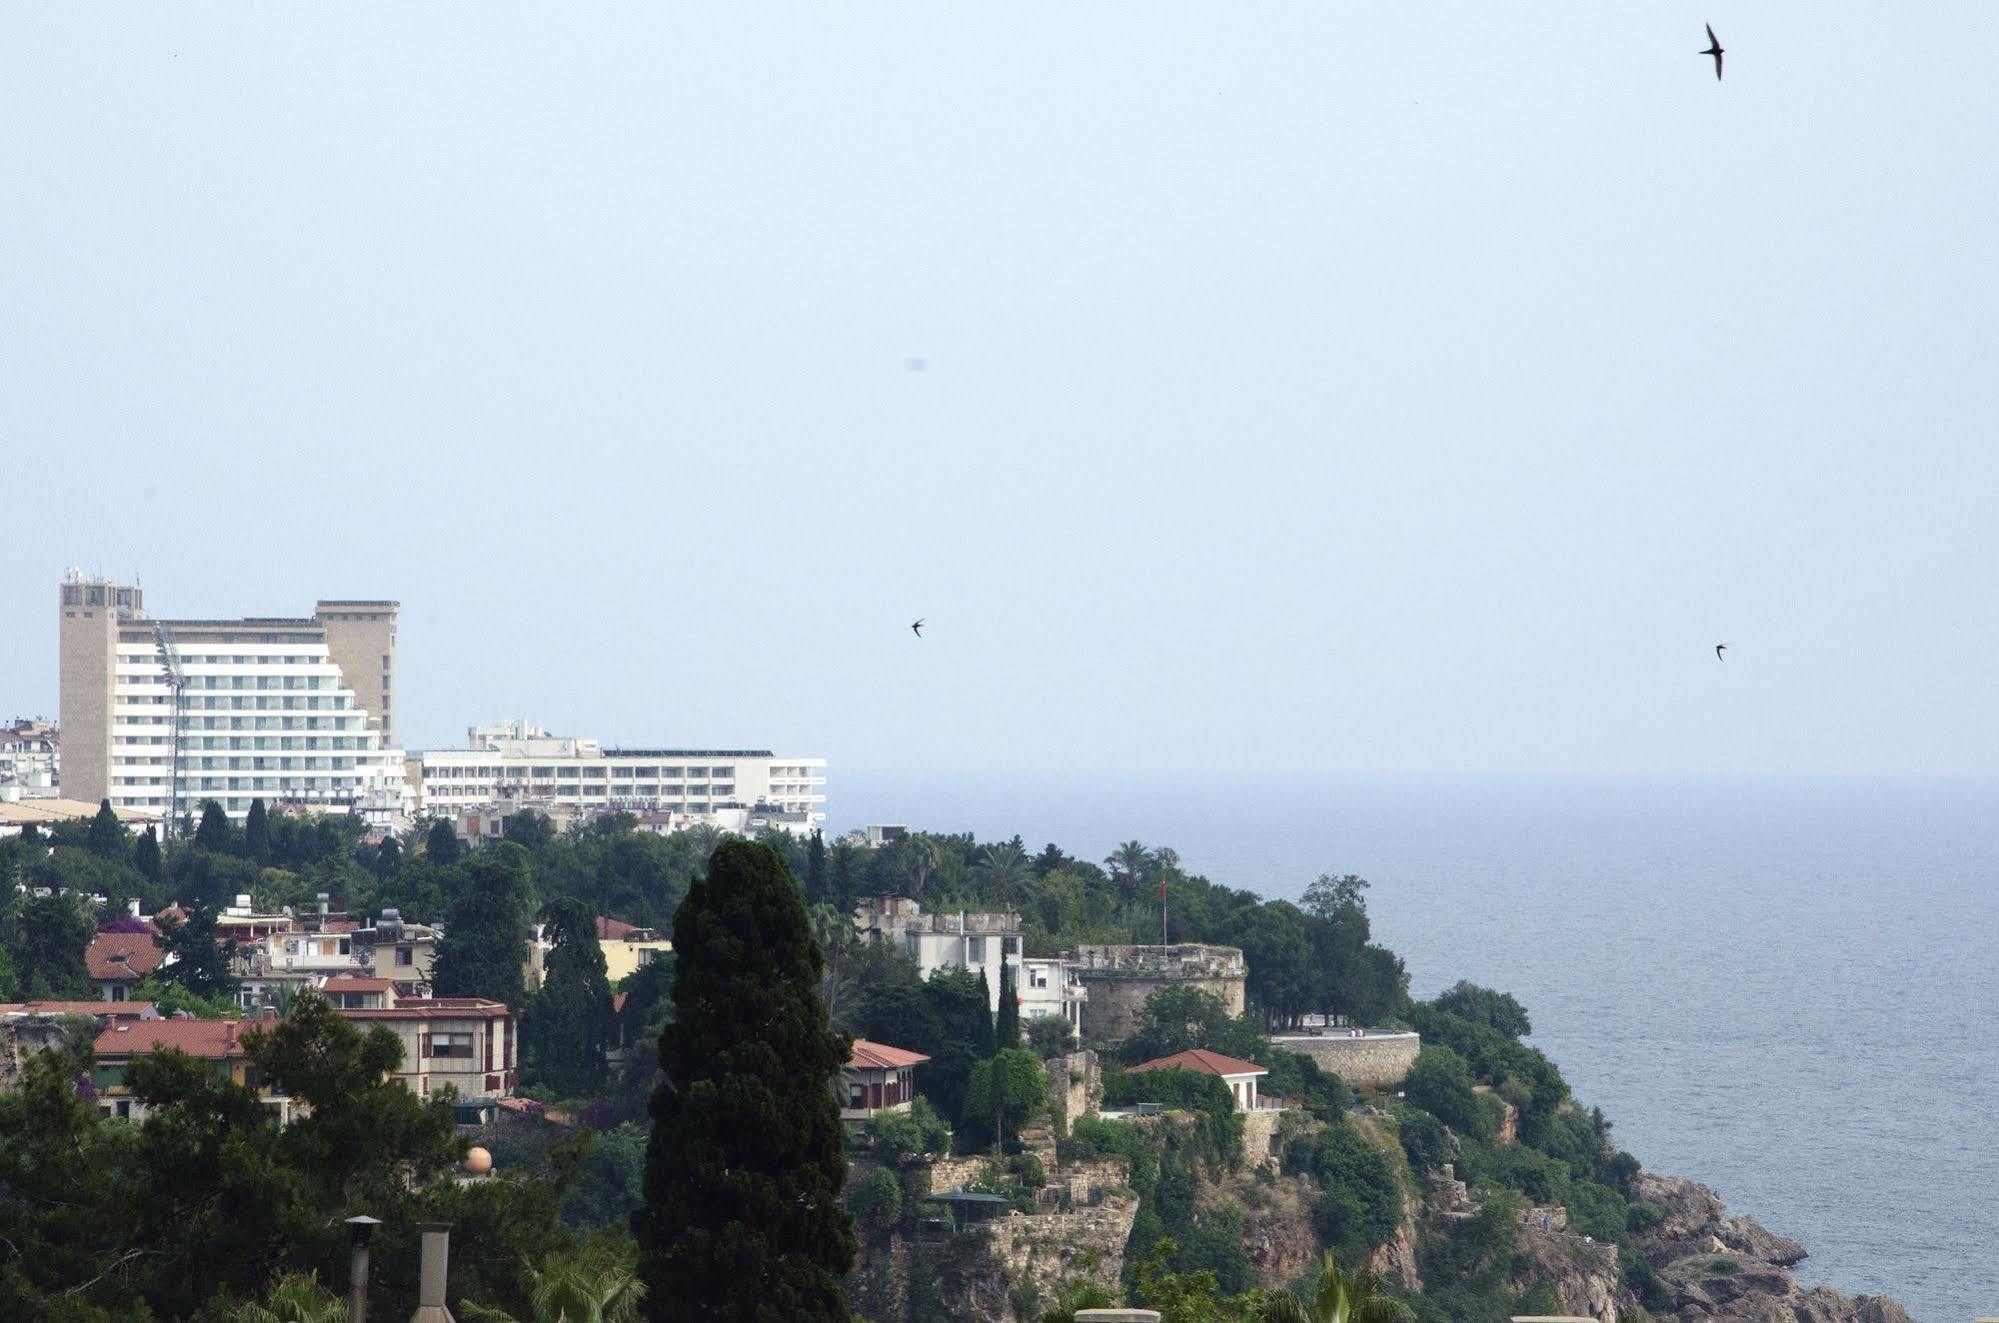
(1162, 888)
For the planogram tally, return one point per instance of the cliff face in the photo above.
(1719, 1267)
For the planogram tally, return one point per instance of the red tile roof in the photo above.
(435, 1008)
(353, 983)
(211, 1039)
(613, 930)
(876, 1056)
(1201, 1060)
(123, 956)
(115, 1010)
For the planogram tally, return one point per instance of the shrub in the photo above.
(1423, 1140)
(1441, 1084)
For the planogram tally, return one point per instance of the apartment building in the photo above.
(29, 751)
(981, 943)
(159, 715)
(516, 764)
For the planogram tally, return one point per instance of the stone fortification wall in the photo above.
(1120, 978)
(1259, 1137)
(1075, 1088)
(1377, 1061)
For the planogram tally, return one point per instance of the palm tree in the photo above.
(1338, 1297)
(572, 1290)
(1002, 868)
(296, 1297)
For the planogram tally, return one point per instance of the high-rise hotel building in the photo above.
(159, 715)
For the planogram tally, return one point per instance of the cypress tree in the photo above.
(984, 1041)
(1006, 1031)
(815, 870)
(146, 856)
(257, 833)
(106, 837)
(214, 834)
(742, 1219)
(566, 1031)
(442, 844)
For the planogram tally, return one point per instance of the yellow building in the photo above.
(628, 949)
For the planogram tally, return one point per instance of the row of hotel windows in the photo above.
(150, 657)
(260, 765)
(307, 743)
(243, 703)
(246, 783)
(484, 792)
(159, 680)
(572, 771)
(248, 723)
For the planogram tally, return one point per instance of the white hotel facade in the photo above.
(517, 764)
(287, 710)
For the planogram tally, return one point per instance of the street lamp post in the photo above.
(359, 1229)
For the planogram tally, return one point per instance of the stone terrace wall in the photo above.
(1120, 978)
(1378, 1061)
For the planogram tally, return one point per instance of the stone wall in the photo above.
(1259, 1136)
(1120, 978)
(1075, 1088)
(1378, 1061)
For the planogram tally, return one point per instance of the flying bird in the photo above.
(1714, 49)
(917, 629)
(1720, 648)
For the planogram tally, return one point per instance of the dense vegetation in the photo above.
(92, 1234)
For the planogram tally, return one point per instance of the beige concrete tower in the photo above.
(91, 610)
(362, 638)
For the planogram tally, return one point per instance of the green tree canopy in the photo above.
(196, 957)
(107, 836)
(485, 947)
(257, 834)
(441, 843)
(566, 1030)
(743, 1219)
(46, 937)
(215, 834)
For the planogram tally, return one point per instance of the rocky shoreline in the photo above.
(1711, 1266)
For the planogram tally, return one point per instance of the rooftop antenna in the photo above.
(176, 683)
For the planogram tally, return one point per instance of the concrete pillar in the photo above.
(430, 1306)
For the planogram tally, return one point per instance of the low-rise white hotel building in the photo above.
(520, 765)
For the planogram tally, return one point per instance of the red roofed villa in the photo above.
(878, 1078)
(1240, 1076)
(117, 961)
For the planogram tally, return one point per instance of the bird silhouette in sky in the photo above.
(917, 629)
(1720, 648)
(1714, 49)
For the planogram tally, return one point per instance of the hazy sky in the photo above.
(1306, 387)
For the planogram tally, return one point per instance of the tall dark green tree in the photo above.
(566, 1030)
(743, 1219)
(1006, 1025)
(984, 1041)
(257, 833)
(106, 838)
(46, 938)
(146, 856)
(485, 946)
(815, 869)
(196, 957)
(441, 843)
(215, 834)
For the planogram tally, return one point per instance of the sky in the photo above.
(1279, 389)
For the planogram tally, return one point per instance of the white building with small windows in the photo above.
(981, 943)
(518, 765)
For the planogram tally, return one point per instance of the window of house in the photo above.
(975, 950)
(451, 1045)
(405, 956)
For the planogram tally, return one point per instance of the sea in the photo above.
(1786, 990)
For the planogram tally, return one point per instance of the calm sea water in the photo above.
(1787, 991)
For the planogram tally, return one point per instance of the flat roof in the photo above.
(356, 601)
(687, 753)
